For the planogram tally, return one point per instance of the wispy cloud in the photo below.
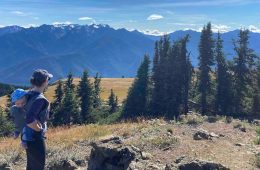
(132, 21)
(85, 18)
(30, 25)
(254, 28)
(152, 32)
(220, 28)
(19, 13)
(62, 23)
(154, 17)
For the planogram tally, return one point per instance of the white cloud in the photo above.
(19, 13)
(153, 32)
(1, 26)
(29, 25)
(182, 24)
(254, 29)
(85, 18)
(154, 17)
(36, 18)
(62, 23)
(132, 21)
(220, 28)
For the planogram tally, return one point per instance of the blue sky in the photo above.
(151, 16)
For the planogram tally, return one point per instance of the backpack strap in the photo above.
(43, 115)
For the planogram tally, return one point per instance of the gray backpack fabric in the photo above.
(43, 116)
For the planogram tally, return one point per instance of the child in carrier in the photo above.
(19, 98)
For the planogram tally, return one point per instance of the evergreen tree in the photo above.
(256, 97)
(69, 108)
(155, 103)
(136, 102)
(69, 82)
(55, 106)
(84, 93)
(112, 102)
(206, 61)
(223, 80)
(58, 93)
(187, 71)
(242, 70)
(158, 104)
(6, 127)
(96, 91)
(8, 106)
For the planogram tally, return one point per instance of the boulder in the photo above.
(186, 163)
(201, 134)
(112, 154)
(5, 166)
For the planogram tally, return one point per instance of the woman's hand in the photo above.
(35, 125)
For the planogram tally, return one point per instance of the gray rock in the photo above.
(171, 167)
(5, 166)
(146, 155)
(64, 165)
(239, 144)
(201, 134)
(189, 164)
(256, 122)
(110, 155)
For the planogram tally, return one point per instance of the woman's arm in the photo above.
(35, 125)
(35, 109)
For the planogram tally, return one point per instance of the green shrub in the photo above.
(257, 160)
(102, 116)
(192, 119)
(6, 126)
(257, 140)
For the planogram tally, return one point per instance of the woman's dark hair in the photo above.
(37, 82)
(39, 77)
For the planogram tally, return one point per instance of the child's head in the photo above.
(18, 97)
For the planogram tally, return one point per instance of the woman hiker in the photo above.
(35, 122)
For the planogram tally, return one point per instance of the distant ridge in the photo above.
(98, 48)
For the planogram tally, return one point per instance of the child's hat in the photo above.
(17, 94)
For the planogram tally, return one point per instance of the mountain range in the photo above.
(97, 48)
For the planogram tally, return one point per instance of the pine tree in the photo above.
(6, 127)
(242, 70)
(256, 97)
(58, 93)
(155, 103)
(69, 82)
(69, 108)
(137, 97)
(112, 101)
(96, 91)
(84, 93)
(206, 61)
(158, 104)
(187, 70)
(8, 106)
(223, 80)
(55, 106)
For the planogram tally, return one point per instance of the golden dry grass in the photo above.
(119, 85)
(68, 135)
(150, 136)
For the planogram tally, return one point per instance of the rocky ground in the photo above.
(193, 143)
